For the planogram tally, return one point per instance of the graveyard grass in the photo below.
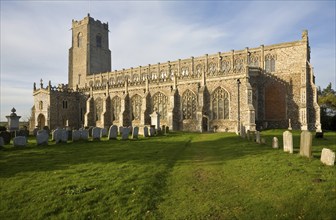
(178, 176)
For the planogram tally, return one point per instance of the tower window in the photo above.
(99, 40)
(40, 105)
(65, 104)
(79, 39)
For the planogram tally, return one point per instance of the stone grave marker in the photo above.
(84, 135)
(151, 131)
(64, 135)
(69, 134)
(288, 141)
(135, 133)
(20, 141)
(306, 144)
(113, 132)
(96, 133)
(57, 135)
(42, 138)
(167, 129)
(6, 136)
(76, 135)
(35, 131)
(275, 143)
(145, 131)
(248, 135)
(121, 130)
(257, 137)
(2, 143)
(125, 133)
(328, 157)
(263, 140)
(103, 132)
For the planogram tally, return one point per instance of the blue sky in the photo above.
(36, 36)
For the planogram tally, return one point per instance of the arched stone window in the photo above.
(254, 61)
(116, 107)
(79, 39)
(270, 63)
(98, 103)
(189, 105)
(99, 40)
(136, 102)
(239, 65)
(40, 105)
(220, 104)
(160, 101)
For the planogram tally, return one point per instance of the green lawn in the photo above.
(179, 176)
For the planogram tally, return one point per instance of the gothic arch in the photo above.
(116, 107)
(98, 103)
(41, 121)
(160, 104)
(189, 104)
(136, 102)
(220, 104)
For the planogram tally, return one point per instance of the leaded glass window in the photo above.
(220, 104)
(116, 107)
(189, 105)
(136, 107)
(160, 101)
(270, 63)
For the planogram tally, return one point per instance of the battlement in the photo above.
(89, 20)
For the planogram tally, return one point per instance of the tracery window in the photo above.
(189, 105)
(160, 101)
(184, 71)
(79, 39)
(98, 103)
(99, 40)
(199, 69)
(136, 102)
(239, 65)
(270, 63)
(220, 104)
(254, 61)
(225, 66)
(212, 69)
(116, 107)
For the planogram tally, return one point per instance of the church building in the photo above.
(257, 88)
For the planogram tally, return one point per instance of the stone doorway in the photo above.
(41, 121)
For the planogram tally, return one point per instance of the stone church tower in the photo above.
(253, 88)
(90, 53)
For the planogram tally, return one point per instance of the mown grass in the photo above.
(179, 176)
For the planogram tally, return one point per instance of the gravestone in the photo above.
(64, 136)
(155, 120)
(113, 132)
(103, 132)
(42, 131)
(76, 135)
(42, 138)
(167, 129)
(275, 143)
(135, 133)
(13, 121)
(257, 137)
(164, 130)
(306, 144)
(151, 131)
(125, 133)
(96, 133)
(20, 141)
(57, 135)
(2, 143)
(35, 131)
(84, 135)
(248, 135)
(121, 130)
(6, 136)
(145, 131)
(288, 141)
(24, 133)
(328, 157)
(263, 140)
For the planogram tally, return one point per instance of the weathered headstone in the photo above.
(306, 144)
(145, 131)
(57, 135)
(151, 131)
(135, 133)
(96, 133)
(69, 134)
(248, 135)
(24, 133)
(20, 141)
(328, 157)
(288, 141)
(263, 141)
(35, 131)
(6, 136)
(113, 132)
(103, 132)
(84, 135)
(76, 135)
(275, 143)
(125, 133)
(155, 120)
(121, 130)
(42, 138)
(42, 131)
(64, 136)
(257, 137)
(167, 129)
(2, 143)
